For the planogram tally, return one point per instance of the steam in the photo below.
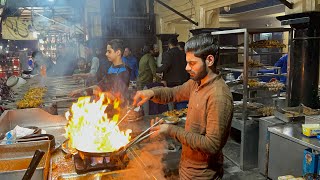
(149, 158)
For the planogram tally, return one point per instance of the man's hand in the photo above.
(161, 129)
(142, 96)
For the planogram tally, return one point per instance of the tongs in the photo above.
(136, 109)
(140, 137)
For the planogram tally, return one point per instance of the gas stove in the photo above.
(85, 163)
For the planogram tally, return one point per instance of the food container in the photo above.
(310, 129)
(289, 114)
(172, 120)
(15, 159)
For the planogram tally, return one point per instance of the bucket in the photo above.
(15, 82)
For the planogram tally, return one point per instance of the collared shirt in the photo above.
(207, 128)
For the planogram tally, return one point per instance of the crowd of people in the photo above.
(151, 69)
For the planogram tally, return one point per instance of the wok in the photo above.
(122, 151)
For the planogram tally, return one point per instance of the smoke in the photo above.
(149, 159)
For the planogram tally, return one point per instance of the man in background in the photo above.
(116, 81)
(173, 65)
(173, 69)
(91, 76)
(157, 55)
(181, 45)
(147, 68)
(283, 64)
(66, 61)
(131, 62)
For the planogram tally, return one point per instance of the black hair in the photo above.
(34, 54)
(181, 44)
(147, 48)
(173, 41)
(128, 48)
(117, 44)
(202, 46)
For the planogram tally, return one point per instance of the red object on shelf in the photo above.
(16, 62)
(17, 72)
(2, 74)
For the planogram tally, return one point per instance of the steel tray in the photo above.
(15, 159)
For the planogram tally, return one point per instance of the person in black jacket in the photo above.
(173, 65)
(174, 68)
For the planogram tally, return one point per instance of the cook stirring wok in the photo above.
(209, 115)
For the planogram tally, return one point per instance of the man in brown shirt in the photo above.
(209, 114)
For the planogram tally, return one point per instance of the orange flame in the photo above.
(89, 128)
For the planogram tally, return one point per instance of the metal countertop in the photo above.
(293, 132)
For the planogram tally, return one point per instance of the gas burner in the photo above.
(87, 164)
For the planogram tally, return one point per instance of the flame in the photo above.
(89, 128)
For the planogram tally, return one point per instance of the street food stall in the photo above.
(73, 149)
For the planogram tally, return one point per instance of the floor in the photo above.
(231, 171)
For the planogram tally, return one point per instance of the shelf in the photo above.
(252, 54)
(238, 123)
(237, 91)
(233, 69)
(267, 75)
(251, 31)
(240, 69)
(240, 91)
(248, 125)
(255, 98)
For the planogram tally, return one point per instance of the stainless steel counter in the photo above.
(54, 124)
(293, 132)
(55, 100)
(152, 155)
(286, 148)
